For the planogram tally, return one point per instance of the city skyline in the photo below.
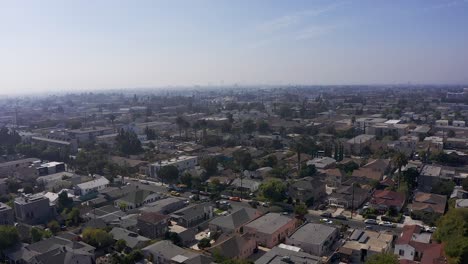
(64, 46)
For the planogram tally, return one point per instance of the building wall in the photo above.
(271, 240)
(407, 251)
(6, 215)
(35, 212)
(152, 230)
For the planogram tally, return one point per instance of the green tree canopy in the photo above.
(273, 190)
(383, 258)
(210, 164)
(169, 174)
(128, 143)
(8, 237)
(204, 243)
(96, 237)
(452, 230)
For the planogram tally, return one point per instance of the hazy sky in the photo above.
(60, 45)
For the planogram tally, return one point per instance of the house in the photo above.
(271, 229)
(334, 177)
(8, 168)
(136, 198)
(84, 135)
(164, 206)
(308, 189)
(415, 245)
(153, 225)
(348, 196)
(428, 203)
(287, 254)
(57, 249)
(99, 183)
(109, 214)
(182, 163)
(322, 163)
(246, 184)
(315, 239)
(60, 180)
(193, 215)
(374, 170)
(7, 216)
(33, 209)
(237, 246)
(383, 200)
(132, 240)
(165, 252)
(233, 222)
(363, 244)
(358, 143)
(430, 175)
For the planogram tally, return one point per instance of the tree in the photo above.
(120, 245)
(73, 217)
(169, 173)
(410, 176)
(451, 133)
(443, 187)
(186, 178)
(53, 226)
(128, 143)
(180, 122)
(465, 184)
(37, 234)
(96, 237)
(242, 158)
(8, 237)
(248, 126)
(300, 210)
(64, 202)
(273, 190)
(210, 164)
(263, 127)
(299, 148)
(383, 258)
(399, 160)
(204, 243)
(452, 230)
(308, 170)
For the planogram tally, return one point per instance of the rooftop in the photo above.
(269, 223)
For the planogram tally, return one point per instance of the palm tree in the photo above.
(298, 147)
(180, 122)
(399, 160)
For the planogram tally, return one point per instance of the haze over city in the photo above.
(74, 45)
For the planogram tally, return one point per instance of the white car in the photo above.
(326, 221)
(387, 224)
(371, 222)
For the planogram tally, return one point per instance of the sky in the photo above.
(66, 45)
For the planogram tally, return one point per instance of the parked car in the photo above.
(174, 193)
(387, 224)
(430, 229)
(326, 214)
(369, 227)
(341, 217)
(371, 222)
(326, 221)
(235, 198)
(223, 196)
(265, 204)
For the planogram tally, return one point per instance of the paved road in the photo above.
(354, 224)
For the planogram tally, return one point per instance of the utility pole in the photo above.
(352, 201)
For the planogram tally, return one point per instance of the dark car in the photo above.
(326, 214)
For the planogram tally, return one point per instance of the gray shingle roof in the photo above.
(313, 233)
(269, 223)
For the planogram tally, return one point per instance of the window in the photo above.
(401, 252)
